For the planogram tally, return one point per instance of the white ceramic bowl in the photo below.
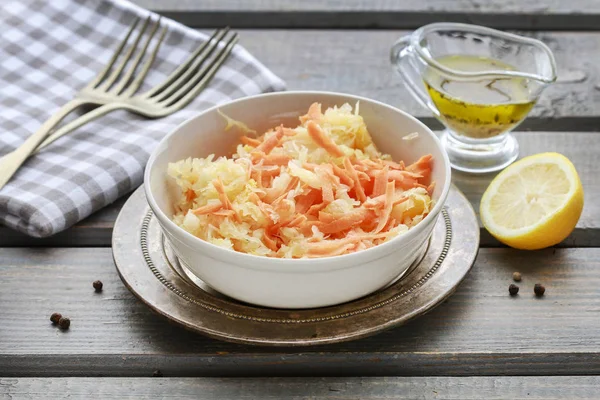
(293, 283)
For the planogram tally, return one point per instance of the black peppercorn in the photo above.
(55, 317)
(97, 286)
(157, 374)
(517, 276)
(513, 289)
(539, 289)
(64, 323)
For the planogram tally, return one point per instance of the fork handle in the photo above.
(76, 123)
(10, 163)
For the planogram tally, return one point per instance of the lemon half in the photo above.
(534, 203)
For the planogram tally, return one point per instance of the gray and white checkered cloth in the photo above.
(51, 49)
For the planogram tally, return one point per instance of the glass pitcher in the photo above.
(479, 82)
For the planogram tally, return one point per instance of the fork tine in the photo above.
(102, 74)
(185, 66)
(138, 58)
(185, 77)
(140, 78)
(176, 102)
(180, 99)
(115, 74)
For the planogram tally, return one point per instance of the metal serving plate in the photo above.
(151, 271)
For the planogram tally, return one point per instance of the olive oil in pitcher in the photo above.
(478, 109)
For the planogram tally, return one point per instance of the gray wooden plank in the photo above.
(487, 6)
(480, 330)
(380, 14)
(581, 147)
(357, 62)
(439, 388)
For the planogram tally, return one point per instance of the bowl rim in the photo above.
(266, 263)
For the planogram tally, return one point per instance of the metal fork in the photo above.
(108, 86)
(178, 90)
(174, 93)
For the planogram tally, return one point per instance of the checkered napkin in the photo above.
(51, 49)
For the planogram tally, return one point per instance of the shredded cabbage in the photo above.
(320, 189)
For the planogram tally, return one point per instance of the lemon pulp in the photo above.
(534, 203)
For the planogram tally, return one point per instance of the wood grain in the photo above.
(581, 147)
(439, 388)
(480, 330)
(357, 62)
(379, 14)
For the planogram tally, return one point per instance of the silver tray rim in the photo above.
(226, 319)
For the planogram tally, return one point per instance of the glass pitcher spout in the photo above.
(481, 83)
(542, 71)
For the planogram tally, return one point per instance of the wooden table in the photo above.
(480, 344)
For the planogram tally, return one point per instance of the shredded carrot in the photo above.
(267, 210)
(309, 166)
(343, 175)
(381, 180)
(304, 202)
(288, 132)
(315, 208)
(283, 198)
(190, 195)
(320, 137)
(370, 221)
(326, 171)
(273, 193)
(328, 248)
(403, 179)
(422, 166)
(207, 209)
(326, 217)
(277, 159)
(394, 165)
(224, 213)
(387, 208)
(298, 220)
(271, 172)
(269, 242)
(224, 199)
(314, 113)
(360, 193)
(411, 174)
(327, 192)
(378, 202)
(430, 188)
(257, 176)
(271, 142)
(250, 141)
(222, 195)
(343, 223)
(324, 252)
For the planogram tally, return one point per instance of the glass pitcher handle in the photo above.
(403, 59)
